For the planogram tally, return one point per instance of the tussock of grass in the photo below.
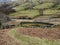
(28, 40)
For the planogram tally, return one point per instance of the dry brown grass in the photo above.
(50, 33)
(5, 39)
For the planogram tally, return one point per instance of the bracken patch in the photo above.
(5, 39)
(50, 33)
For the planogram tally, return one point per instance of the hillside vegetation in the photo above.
(35, 7)
(28, 40)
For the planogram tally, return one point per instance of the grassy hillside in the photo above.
(31, 9)
(44, 6)
(28, 40)
(22, 6)
(50, 11)
(29, 13)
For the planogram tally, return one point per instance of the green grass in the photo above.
(50, 11)
(57, 6)
(22, 6)
(27, 24)
(28, 40)
(33, 13)
(30, 13)
(43, 6)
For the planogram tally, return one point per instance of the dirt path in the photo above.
(5, 39)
